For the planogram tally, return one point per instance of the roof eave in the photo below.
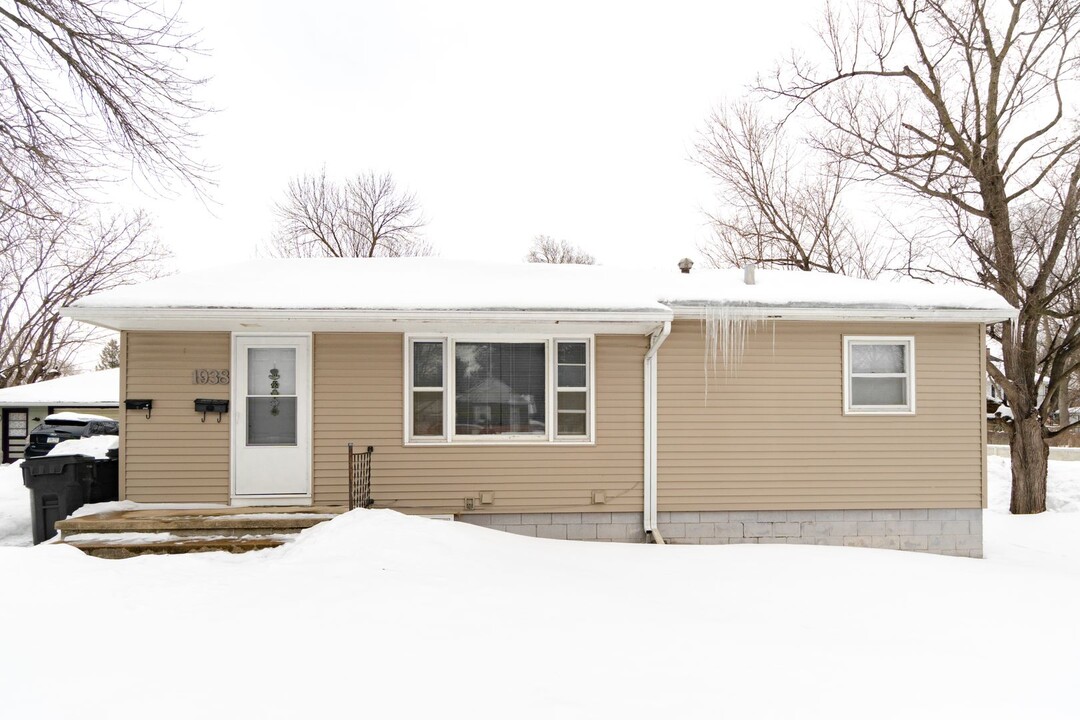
(242, 319)
(852, 313)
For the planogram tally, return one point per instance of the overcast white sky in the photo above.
(507, 120)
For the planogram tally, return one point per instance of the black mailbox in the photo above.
(147, 405)
(205, 405)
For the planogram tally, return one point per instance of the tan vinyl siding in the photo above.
(359, 390)
(771, 434)
(173, 457)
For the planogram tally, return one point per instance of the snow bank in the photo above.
(14, 507)
(441, 284)
(92, 388)
(96, 446)
(437, 619)
(1048, 542)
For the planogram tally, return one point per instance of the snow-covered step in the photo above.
(129, 532)
(227, 522)
(118, 545)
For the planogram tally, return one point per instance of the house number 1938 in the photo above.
(210, 377)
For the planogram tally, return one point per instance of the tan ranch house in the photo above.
(579, 402)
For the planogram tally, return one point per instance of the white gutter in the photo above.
(130, 318)
(840, 313)
(655, 341)
(676, 310)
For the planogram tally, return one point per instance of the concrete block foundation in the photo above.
(942, 531)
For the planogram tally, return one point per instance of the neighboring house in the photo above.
(24, 406)
(998, 412)
(578, 402)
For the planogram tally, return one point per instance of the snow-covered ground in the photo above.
(1062, 484)
(14, 508)
(376, 614)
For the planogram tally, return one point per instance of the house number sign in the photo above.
(209, 377)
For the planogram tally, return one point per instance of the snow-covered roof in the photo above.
(437, 285)
(92, 389)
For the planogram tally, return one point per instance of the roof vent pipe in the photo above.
(748, 273)
(685, 264)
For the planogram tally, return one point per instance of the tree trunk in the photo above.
(1063, 403)
(1029, 453)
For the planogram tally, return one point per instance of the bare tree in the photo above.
(779, 209)
(54, 262)
(109, 358)
(963, 104)
(547, 249)
(87, 84)
(366, 216)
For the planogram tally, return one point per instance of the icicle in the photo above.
(726, 331)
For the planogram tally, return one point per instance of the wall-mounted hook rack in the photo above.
(205, 405)
(147, 405)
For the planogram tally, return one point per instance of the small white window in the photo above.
(879, 375)
(428, 370)
(572, 381)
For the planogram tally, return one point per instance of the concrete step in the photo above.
(126, 545)
(127, 533)
(226, 522)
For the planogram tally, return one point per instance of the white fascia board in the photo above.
(280, 320)
(593, 321)
(860, 314)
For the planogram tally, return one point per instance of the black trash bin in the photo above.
(106, 484)
(59, 485)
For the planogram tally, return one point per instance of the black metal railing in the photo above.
(360, 478)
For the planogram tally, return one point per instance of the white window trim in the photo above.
(449, 437)
(410, 390)
(588, 390)
(909, 342)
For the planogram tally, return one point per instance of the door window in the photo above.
(271, 396)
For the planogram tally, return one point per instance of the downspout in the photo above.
(655, 341)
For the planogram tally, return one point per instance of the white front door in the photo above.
(271, 416)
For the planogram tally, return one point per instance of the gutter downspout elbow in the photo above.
(649, 516)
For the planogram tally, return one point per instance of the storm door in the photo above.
(272, 416)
